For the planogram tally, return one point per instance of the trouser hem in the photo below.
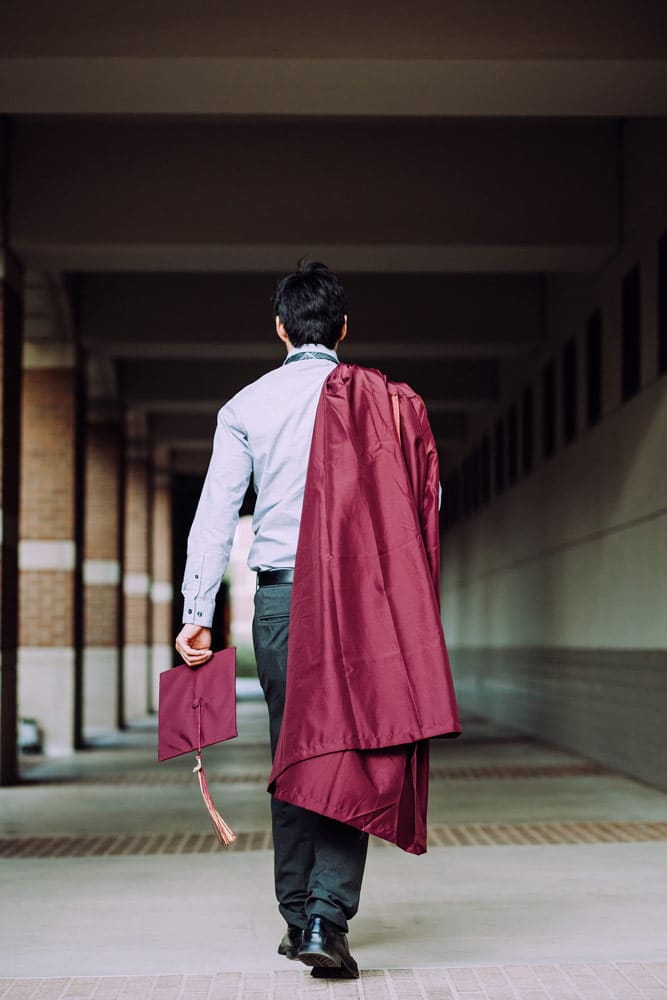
(319, 908)
(294, 919)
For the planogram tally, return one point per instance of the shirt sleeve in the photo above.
(212, 532)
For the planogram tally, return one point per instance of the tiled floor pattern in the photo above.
(181, 777)
(454, 835)
(568, 981)
(489, 753)
(481, 834)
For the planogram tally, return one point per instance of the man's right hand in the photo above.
(193, 643)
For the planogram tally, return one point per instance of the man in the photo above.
(265, 432)
(347, 545)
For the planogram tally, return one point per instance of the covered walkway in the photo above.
(546, 877)
(489, 182)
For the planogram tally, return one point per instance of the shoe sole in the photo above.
(338, 972)
(318, 960)
(322, 960)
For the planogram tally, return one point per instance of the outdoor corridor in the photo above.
(486, 182)
(546, 877)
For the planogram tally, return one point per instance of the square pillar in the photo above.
(162, 590)
(11, 336)
(102, 577)
(137, 681)
(50, 585)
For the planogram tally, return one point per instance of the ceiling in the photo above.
(169, 162)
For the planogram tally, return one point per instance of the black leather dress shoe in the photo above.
(291, 943)
(324, 947)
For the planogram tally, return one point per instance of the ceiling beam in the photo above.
(230, 317)
(455, 383)
(327, 87)
(453, 192)
(437, 29)
(354, 352)
(363, 258)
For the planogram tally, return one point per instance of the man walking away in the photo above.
(265, 432)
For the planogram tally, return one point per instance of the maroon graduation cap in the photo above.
(197, 709)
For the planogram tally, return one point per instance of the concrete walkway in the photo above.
(547, 876)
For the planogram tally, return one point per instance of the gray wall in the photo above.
(606, 704)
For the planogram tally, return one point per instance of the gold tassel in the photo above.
(224, 834)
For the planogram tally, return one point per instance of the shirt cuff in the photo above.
(198, 612)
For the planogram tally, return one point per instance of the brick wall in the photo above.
(49, 556)
(47, 456)
(101, 603)
(102, 576)
(162, 596)
(103, 468)
(10, 385)
(136, 588)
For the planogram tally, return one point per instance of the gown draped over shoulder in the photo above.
(368, 675)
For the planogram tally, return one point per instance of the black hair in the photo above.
(311, 305)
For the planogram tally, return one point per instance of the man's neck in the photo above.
(310, 347)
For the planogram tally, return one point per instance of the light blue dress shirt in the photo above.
(265, 432)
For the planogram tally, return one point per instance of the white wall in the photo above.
(554, 595)
(575, 555)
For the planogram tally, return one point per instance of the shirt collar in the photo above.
(320, 348)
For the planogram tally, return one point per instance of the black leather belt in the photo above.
(271, 577)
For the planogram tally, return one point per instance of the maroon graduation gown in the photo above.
(368, 677)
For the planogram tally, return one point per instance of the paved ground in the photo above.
(546, 877)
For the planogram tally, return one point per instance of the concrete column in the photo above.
(50, 618)
(650, 334)
(137, 684)
(102, 577)
(162, 591)
(11, 335)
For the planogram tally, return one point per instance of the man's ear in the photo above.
(281, 331)
(343, 331)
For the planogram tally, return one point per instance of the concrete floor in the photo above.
(148, 914)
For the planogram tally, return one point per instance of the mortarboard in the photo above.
(197, 708)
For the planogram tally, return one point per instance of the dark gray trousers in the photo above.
(319, 862)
